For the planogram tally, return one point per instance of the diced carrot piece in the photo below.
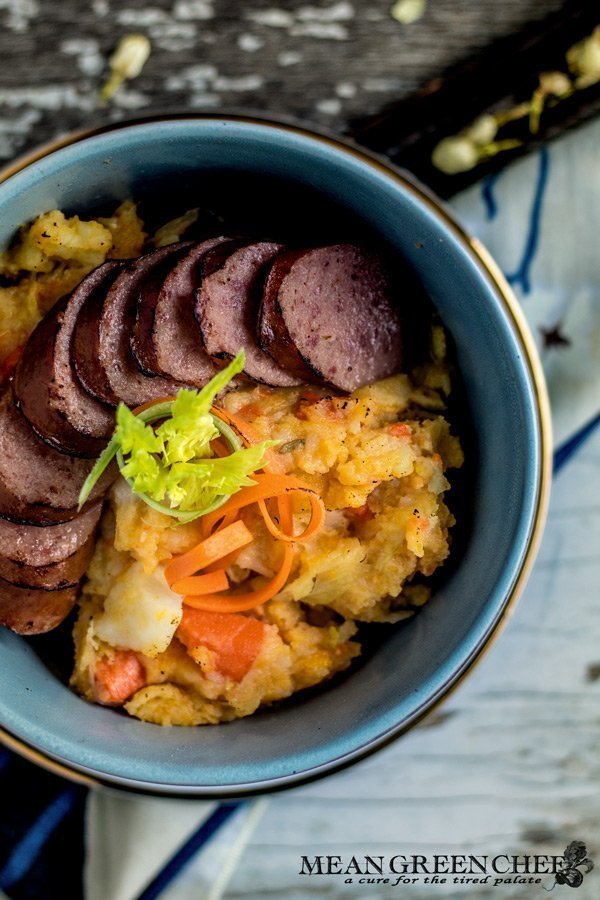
(331, 409)
(363, 513)
(118, 677)
(250, 410)
(235, 640)
(400, 430)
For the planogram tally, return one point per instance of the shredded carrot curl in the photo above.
(208, 551)
(224, 534)
(243, 602)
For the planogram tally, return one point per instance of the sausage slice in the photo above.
(166, 337)
(34, 610)
(328, 314)
(39, 485)
(46, 386)
(85, 349)
(33, 545)
(52, 576)
(117, 319)
(227, 308)
(47, 557)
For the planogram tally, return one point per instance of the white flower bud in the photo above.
(555, 83)
(584, 60)
(408, 11)
(482, 131)
(129, 58)
(455, 154)
(126, 62)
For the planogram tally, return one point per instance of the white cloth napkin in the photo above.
(550, 200)
(545, 229)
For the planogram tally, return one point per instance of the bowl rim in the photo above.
(495, 278)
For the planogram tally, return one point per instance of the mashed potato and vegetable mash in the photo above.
(327, 510)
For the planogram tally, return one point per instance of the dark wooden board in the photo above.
(325, 63)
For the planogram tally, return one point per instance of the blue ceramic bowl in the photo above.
(419, 662)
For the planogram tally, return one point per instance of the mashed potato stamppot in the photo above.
(49, 259)
(382, 475)
(377, 458)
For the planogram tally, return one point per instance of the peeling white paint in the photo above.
(173, 36)
(19, 13)
(194, 9)
(89, 59)
(175, 29)
(204, 101)
(250, 43)
(328, 31)
(101, 8)
(338, 12)
(289, 58)
(126, 98)
(203, 79)
(195, 78)
(330, 107)
(239, 83)
(50, 97)
(272, 18)
(14, 131)
(20, 124)
(377, 85)
(164, 31)
(308, 21)
(345, 89)
(142, 18)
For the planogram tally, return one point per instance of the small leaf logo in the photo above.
(575, 858)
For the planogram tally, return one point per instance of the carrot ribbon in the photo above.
(224, 535)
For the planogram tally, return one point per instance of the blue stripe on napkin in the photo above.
(188, 850)
(564, 453)
(41, 833)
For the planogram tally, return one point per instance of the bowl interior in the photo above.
(285, 182)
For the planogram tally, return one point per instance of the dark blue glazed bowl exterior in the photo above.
(420, 661)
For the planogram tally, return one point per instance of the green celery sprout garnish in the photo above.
(172, 468)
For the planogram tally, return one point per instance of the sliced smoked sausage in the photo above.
(328, 314)
(47, 557)
(52, 576)
(166, 338)
(227, 308)
(34, 610)
(39, 485)
(34, 545)
(117, 319)
(47, 389)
